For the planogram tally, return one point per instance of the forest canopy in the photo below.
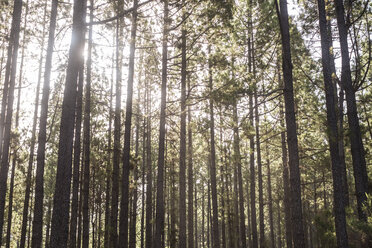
(185, 123)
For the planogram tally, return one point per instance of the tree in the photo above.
(123, 233)
(357, 149)
(159, 229)
(295, 182)
(7, 106)
(86, 141)
(40, 157)
(331, 102)
(61, 204)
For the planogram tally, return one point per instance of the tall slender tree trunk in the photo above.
(270, 199)
(8, 97)
(15, 148)
(48, 218)
(251, 159)
(209, 217)
(223, 181)
(259, 160)
(149, 215)
(196, 216)
(77, 153)
(108, 168)
(86, 126)
(37, 225)
(61, 206)
(331, 104)
(357, 149)
(235, 223)
(203, 217)
(286, 183)
(237, 161)
(113, 234)
(159, 228)
(294, 168)
(143, 180)
(25, 215)
(279, 224)
(190, 179)
(133, 223)
(215, 229)
(339, 112)
(11, 191)
(123, 232)
(182, 242)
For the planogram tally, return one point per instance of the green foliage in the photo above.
(325, 230)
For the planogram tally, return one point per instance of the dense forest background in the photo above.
(185, 123)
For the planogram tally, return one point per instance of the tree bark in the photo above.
(357, 149)
(270, 199)
(25, 215)
(149, 214)
(182, 242)
(61, 206)
(215, 229)
(37, 225)
(331, 105)
(259, 160)
(159, 228)
(237, 161)
(294, 167)
(86, 139)
(15, 148)
(113, 234)
(108, 168)
(286, 183)
(77, 153)
(8, 96)
(251, 159)
(123, 232)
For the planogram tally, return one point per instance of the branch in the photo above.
(122, 14)
(360, 15)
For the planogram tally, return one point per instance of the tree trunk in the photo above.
(270, 199)
(203, 217)
(251, 162)
(196, 217)
(159, 229)
(37, 225)
(48, 218)
(149, 173)
(331, 104)
(294, 168)
(339, 113)
(108, 168)
(215, 229)
(61, 206)
(25, 215)
(77, 153)
(237, 161)
(190, 176)
(357, 149)
(286, 183)
(16, 142)
(143, 180)
(133, 223)
(235, 223)
(182, 242)
(86, 141)
(259, 161)
(8, 96)
(123, 232)
(113, 234)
